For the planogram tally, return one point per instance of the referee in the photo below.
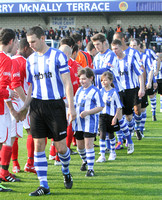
(48, 75)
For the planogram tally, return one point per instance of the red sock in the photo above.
(69, 136)
(74, 141)
(30, 149)
(6, 152)
(52, 148)
(46, 141)
(57, 158)
(14, 155)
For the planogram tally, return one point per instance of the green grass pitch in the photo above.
(129, 177)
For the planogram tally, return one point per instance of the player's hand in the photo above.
(141, 93)
(83, 114)
(13, 94)
(71, 115)
(22, 114)
(148, 86)
(114, 120)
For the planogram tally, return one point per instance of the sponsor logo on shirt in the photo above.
(62, 133)
(41, 76)
(7, 74)
(16, 74)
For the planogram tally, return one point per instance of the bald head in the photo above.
(66, 50)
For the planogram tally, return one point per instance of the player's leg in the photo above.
(81, 149)
(112, 155)
(90, 153)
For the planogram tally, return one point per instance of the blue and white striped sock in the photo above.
(160, 101)
(130, 125)
(82, 153)
(40, 163)
(124, 128)
(107, 141)
(143, 120)
(65, 161)
(153, 105)
(137, 121)
(102, 147)
(120, 136)
(90, 153)
(112, 144)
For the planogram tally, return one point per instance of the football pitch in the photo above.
(129, 177)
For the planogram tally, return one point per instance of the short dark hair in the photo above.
(90, 46)
(99, 36)
(6, 35)
(116, 42)
(77, 37)
(120, 35)
(37, 30)
(23, 43)
(67, 40)
(88, 72)
(75, 48)
(138, 41)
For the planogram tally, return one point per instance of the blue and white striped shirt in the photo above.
(111, 100)
(152, 55)
(87, 99)
(129, 69)
(106, 62)
(44, 72)
(146, 62)
(159, 76)
(133, 52)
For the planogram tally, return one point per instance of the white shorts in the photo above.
(16, 128)
(5, 129)
(26, 122)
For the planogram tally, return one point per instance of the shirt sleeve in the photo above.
(15, 75)
(63, 63)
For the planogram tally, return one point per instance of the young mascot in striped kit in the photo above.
(88, 103)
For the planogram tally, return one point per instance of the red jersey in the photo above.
(4, 93)
(75, 65)
(5, 76)
(15, 74)
(22, 67)
(73, 80)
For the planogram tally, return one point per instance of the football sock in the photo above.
(90, 153)
(40, 163)
(65, 160)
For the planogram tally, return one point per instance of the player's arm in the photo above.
(150, 77)
(158, 65)
(90, 112)
(69, 95)
(23, 111)
(141, 91)
(21, 93)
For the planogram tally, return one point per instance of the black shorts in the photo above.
(105, 126)
(144, 102)
(151, 91)
(80, 135)
(129, 99)
(48, 119)
(159, 82)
